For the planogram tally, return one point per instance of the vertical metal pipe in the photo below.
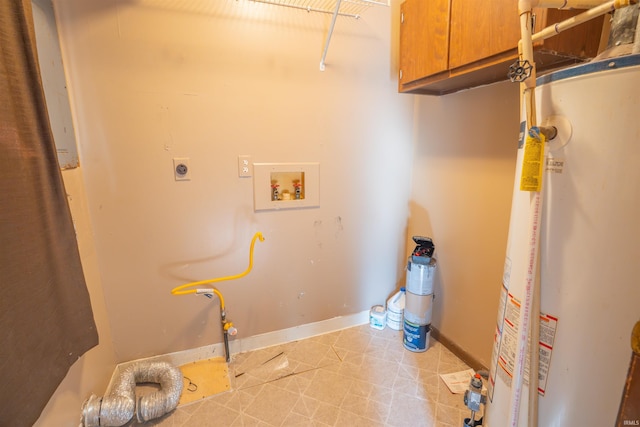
(225, 334)
(226, 346)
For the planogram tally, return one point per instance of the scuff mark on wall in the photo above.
(317, 225)
(339, 227)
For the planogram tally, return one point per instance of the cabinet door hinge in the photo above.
(402, 17)
(400, 74)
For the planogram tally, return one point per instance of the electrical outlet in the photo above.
(244, 166)
(181, 169)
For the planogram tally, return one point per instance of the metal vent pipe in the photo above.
(119, 406)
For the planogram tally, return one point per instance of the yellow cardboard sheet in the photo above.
(203, 379)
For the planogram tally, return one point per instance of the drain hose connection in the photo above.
(119, 406)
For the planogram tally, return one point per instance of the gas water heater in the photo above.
(589, 250)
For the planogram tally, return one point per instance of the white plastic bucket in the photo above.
(395, 310)
(377, 317)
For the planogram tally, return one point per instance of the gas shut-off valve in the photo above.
(473, 399)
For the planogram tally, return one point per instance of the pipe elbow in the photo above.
(525, 6)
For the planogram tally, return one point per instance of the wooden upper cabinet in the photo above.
(424, 38)
(481, 32)
(449, 45)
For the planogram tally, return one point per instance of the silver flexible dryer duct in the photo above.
(119, 406)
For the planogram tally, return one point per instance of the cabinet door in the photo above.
(424, 38)
(482, 29)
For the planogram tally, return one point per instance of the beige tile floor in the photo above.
(355, 377)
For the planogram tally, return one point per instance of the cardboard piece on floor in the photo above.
(458, 382)
(203, 379)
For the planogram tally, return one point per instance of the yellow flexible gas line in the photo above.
(183, 289)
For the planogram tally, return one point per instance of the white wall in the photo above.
(154, 80)
(463, 171)
(151, 80)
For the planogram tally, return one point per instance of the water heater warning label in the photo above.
(506, 339)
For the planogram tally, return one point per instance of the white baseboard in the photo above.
(297, 333)
(255, 342)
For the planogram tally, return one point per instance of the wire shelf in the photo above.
(348, 8)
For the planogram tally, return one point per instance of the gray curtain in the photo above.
(46, 321)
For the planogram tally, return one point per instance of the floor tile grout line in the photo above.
(411, 363)
(336, 353)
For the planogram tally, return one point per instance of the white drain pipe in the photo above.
(566, 4)
(119, 406)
